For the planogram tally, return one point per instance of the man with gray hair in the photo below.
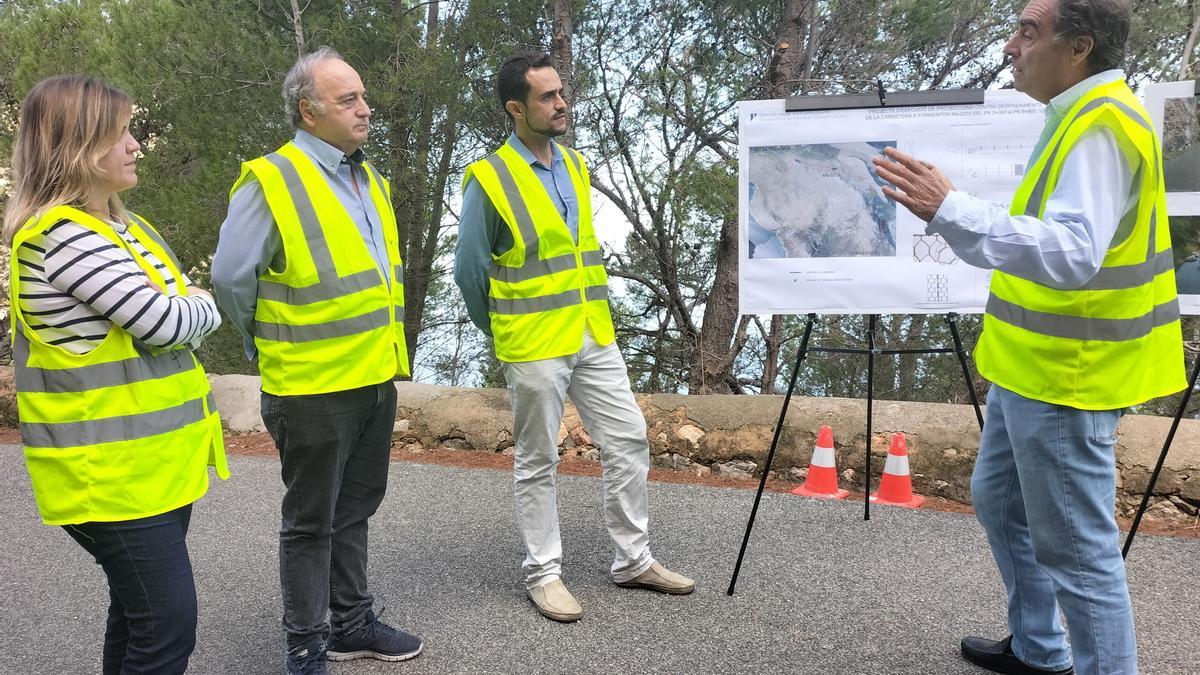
(308, 268)
(1081, 322)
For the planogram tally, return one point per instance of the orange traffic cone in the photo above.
(822, 470)
(895, 487)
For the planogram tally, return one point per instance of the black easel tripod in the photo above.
(1162, 457)
(881, 98)
(951, 320)
(958, 349)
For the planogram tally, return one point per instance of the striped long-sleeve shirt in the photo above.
(75, 284)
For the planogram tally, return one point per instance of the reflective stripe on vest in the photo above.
(1115, 341)
(1037, 198)
(329, 320)
(1081, 328)
(548, 287)
(535, 267)
(145, 366)
(112, 429)
(282, 332)
(157, 238)
(331, 285)
(546, 303)
(123, 431)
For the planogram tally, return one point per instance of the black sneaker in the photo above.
(308, 660)
(374, 639)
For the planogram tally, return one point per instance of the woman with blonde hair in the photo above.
(117, 417)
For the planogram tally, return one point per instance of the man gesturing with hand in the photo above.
(923, 186)
(1081, 322)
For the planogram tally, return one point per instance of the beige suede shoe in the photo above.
(554, 601)
(661, 579)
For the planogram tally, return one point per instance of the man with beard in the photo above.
(530, 269)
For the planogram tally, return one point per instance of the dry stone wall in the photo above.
(730, 435)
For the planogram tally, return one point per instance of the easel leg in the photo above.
(762, 483)
(1162, 458)
(952, 321)
(870, 401)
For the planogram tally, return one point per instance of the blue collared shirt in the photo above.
(482, 233)
(250, 242)
(1066, 247)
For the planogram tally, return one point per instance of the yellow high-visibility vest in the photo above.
(1116, 341)
(330, 320)
(546, 289)
(124, 431)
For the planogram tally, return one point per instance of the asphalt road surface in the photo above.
(821, 591)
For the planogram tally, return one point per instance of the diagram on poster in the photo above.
(817, 232)
(1174, 110)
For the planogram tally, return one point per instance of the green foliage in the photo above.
(656, 87)
(1156, 42)
(204, 79)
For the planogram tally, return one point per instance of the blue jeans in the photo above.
(152, 597)
(1044, 489)
(334, 451)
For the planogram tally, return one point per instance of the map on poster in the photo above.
(849, 216)
(1174, 110)
(818, 234)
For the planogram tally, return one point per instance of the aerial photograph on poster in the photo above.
(850, 216)
(1185, 244)
(1181, 144)
(1174, 108)
(816, 232)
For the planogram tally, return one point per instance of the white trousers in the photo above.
(598, 384)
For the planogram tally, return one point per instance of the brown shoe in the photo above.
(554, 601)
(661, 579)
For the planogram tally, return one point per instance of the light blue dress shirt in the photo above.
(1066, 247)
(250, 242)
(482, 233)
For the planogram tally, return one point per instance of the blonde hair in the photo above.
(67, 124)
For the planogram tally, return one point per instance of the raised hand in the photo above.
(918, 186)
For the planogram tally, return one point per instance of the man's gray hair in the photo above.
(299, 83)
(1107, 22)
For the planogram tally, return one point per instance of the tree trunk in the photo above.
(774, 340)
(712, 361)
(791, 54)
(784, 70)
(653, 386)
(298, 28)
(889, 335)
(714, 355)
(416, 288)
(1185, 61)
(5, 340)
(423, 203)
(560, 51)
(909, 363)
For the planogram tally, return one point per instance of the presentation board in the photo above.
(1174, 109)
(818, 235)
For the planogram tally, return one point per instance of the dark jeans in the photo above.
(152, 597)
(334, 451)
